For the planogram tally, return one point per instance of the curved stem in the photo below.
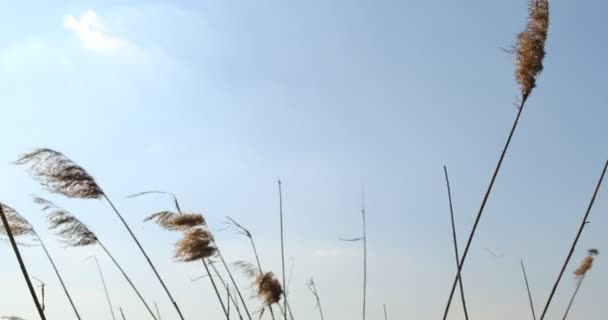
(483, 205)
(9, 233)
(455, 240)
(238, 291)
(65, 289)
(141, 298)
(578, 235)
(146, 256)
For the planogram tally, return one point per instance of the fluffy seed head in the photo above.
(177, 222)
(58, 174)
(586, 264)
(196, 244)
(19, 225)
(71, 231)
(269, 288)
(530, 46)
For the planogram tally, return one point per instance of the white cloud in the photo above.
(90, 30)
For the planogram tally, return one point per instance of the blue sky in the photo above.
(215, 100)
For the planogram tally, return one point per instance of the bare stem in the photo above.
(523, 269)
(65, 289)
(455, 240)
(482, 207)
(578, 286)
(28, 281)
(105, 288)
(364, 254)
(141, 298)
(217, 292)
(578, 235)
(146, 256)
(282, 245)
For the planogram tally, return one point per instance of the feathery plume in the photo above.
(196, 244)
(18, 224)
(71, 231)
(58, 174)
(269, 288)
(586, 264)
(177, 222)
(530, 46)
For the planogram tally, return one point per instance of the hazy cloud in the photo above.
(90, 29)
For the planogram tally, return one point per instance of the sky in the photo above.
(214, 101)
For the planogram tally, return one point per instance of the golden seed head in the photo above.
(530, 46)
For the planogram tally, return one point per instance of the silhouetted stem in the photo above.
(385, 314)
(483, 205)
(238, 291)
(217, 292)
(578, 286)
(65, 290)
(364, 256)
(122, 314)
(105, 288)
(230, 295)
(455, 240)
(578, 235)
(146, 256)
(124, 274)
(26, 277)
(523, 269)
(282, 245)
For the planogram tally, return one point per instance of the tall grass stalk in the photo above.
(26, 277)
(455, 241)
(217, 292)
(282, 245)
(364, 253)
(530, 52)
(575, 242)
(313, 289)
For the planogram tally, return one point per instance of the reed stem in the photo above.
(523, 269)
(217, 292)
(578, 286)
(26, 277)
(578, 235)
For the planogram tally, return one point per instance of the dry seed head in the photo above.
(177, 222)
(586, 264)
(18, 224)
(58, 174)
(196, 244)
(71, 231)
(269, 288)
(530, 46)
(238, 227)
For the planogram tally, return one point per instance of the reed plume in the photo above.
(530, 52)
(24, 228)
(530, 46)
(8, 230)
(584, 222)
(166, 219)
(240, 229)
(579, 274)
(59, 174)
(74, 233)
(267, 286)
(196, 244)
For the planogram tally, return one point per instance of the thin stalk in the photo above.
(65, 289)
(105, 288)
(482, 207)
(455, 240)
(364, 254)
(227, 299)
(26, 277)
(122, 313)
(385, 314)
(523, 269)
(146, 256)
(230, 296)
(257, 259)
(313, 289)
(157, 311)
(141, 298)
(233, 281)
(578, 286)
(282, 244)
(217, 292)
(578, 235)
